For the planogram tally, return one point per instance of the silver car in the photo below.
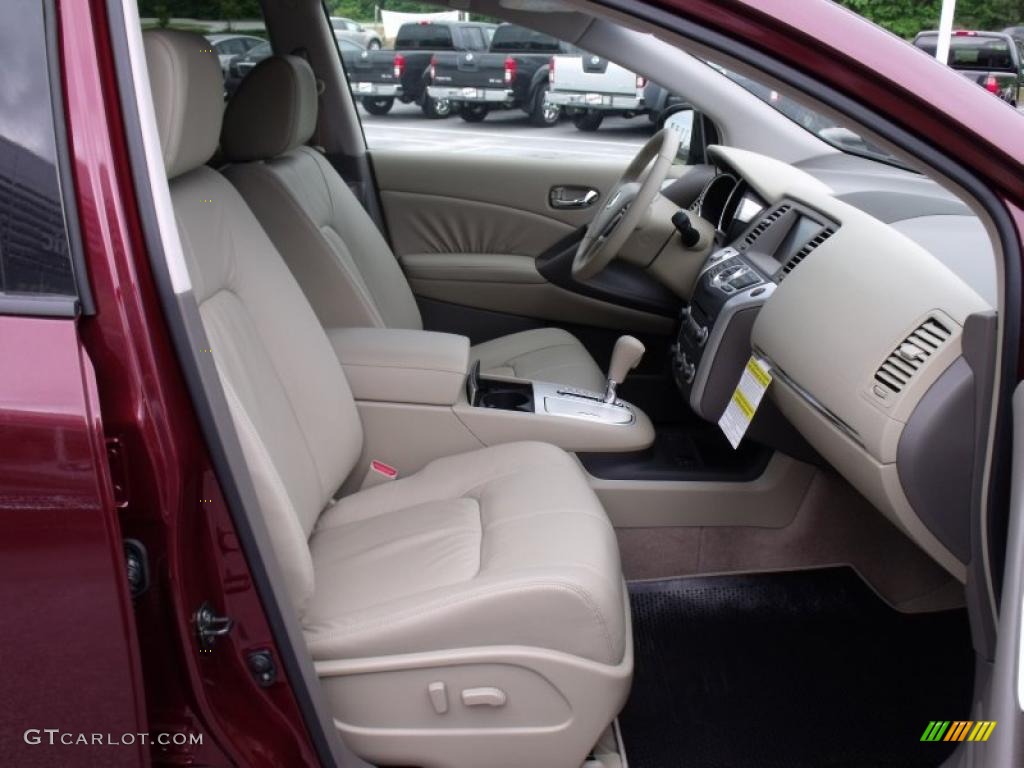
(228, 46)
(346, 29)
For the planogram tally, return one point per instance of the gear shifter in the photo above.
(625, 357)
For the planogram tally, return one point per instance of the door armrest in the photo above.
(472, 267)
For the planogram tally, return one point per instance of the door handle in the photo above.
(563, 197)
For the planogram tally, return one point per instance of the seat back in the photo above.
(288, 395)
(332, 246)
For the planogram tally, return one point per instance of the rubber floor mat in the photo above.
(789, 670)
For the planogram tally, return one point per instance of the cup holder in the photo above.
(506, 400)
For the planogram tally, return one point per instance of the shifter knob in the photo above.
(625, 357)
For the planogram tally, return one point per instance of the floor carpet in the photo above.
(789, 670)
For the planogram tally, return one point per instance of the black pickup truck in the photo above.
(991, 59)
(512, 74)
(379, 77)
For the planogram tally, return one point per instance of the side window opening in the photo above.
(35, 252)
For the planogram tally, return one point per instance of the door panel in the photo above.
(439, 223)
(496, 209)
(475, 193)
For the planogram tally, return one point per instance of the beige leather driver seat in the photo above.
(330, 243)
(471, 614)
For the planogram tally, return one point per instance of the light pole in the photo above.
(945, 30)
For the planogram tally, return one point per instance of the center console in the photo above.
(713, 339)
(539, 397)
(420, 399)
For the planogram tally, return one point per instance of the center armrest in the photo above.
(402, 366)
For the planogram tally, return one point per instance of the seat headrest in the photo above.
(188, 97)
(273, 111)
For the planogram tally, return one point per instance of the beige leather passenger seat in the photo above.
(472, 614)
(343, 264)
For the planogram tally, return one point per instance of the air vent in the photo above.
(762, 226)
(803, 253)
(912, 353)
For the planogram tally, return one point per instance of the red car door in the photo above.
(72, 686)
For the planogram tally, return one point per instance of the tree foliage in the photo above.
(225, 10)
(908, 17)
(363, 10)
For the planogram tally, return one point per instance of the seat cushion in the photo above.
(543, 354)
(503, 546)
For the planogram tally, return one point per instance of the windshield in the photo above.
(825, 128)
(509, 38)
(424, 36)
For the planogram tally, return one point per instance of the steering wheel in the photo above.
(632, 195)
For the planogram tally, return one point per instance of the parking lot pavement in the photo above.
(506, 132)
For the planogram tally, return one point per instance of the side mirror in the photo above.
(681, 119)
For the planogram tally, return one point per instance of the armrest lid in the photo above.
(402, 366)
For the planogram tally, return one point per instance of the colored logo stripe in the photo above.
(958, 730)
(982, 730)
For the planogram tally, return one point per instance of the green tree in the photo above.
(363, 10)
(902, 17)
(908, 17)
(220, 10)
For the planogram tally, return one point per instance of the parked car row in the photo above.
(472, 69)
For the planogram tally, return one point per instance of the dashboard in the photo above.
(875, 345)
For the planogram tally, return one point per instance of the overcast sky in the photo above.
(25, 116)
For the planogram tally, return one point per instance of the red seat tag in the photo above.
(385, 470)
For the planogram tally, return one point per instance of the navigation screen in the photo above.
(797, 238)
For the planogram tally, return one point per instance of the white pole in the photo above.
(945, 30)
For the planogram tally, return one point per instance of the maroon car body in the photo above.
(99, 440)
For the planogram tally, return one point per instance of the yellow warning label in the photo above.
(744, 404)
(754, 381)
(759, 373)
